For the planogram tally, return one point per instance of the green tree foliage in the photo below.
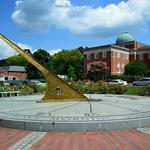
(42, 57)
(72, 59)
(136, 68)
(71, 73)
(16, 61)
(2, 62)
(63, 63)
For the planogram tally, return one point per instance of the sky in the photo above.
(53, 25)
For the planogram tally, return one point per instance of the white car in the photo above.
(118, 81)
(142, 82)
(38, 82)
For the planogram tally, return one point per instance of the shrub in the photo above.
(137, 90)
(116, 89)
(25, 89)
(103, 89)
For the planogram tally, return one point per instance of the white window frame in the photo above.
(118, 55)
(148, 55)
(104, 54)
(113, 53)
(127, 56)
(123, 56)
(141, 56)
(88, 67)
(118, 68)
(88, 56)
(96, 56)
(123, 67)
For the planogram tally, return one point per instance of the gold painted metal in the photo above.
(57, 90)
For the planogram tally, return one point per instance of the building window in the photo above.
(88, 67)
(127, 56)
(123, 56)
(149, 55)
(96, 55)
(113, 54)
(122, 67)
(88, 56)
(6, 78)
(104, 54)
(118, 55)
(118, 68)
(141, 56)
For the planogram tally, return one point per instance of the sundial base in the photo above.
(101, 113)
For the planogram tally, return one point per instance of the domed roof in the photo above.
(124, 37)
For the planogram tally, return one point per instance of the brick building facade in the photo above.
(116, 56)
(13, 73)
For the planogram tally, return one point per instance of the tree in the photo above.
(71, 73)
(2, 62)
(65, 59)
(42, 57)
(16, 61)
(136, 68)
(97, 71)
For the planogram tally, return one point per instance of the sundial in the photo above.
(57, 90)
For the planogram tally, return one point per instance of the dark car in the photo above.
(142, 82)
(19, 82)
(4, 83)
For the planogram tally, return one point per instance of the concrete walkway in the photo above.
(101, 112)
(100, 105)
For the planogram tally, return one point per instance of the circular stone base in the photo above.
(100, 112)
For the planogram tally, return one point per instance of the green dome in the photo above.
(124, 37)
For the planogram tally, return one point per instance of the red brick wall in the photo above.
(18, 75)
(145, 59)
(132, 57)
(122, 60)
(100, 58)
(112, 61)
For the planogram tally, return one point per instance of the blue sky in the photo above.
(68, 24)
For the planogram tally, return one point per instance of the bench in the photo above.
(9, 93)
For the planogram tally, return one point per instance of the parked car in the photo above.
(39, 82)
(18, 82)
(5, 83)
(118, 81)
(142, 82)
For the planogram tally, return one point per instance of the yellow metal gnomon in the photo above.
(57, 90)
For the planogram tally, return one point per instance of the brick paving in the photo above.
(113, 140)
(9, 137)
(27, 142)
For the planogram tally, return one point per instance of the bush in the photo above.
(25, 89)
(116, 89)
(103, 89)
(137, 90)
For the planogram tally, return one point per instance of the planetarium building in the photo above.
(108, 60)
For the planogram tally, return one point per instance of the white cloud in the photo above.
(62, 3)
(24, 46)
(7, 51)
(52, 52)
(132, 15)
